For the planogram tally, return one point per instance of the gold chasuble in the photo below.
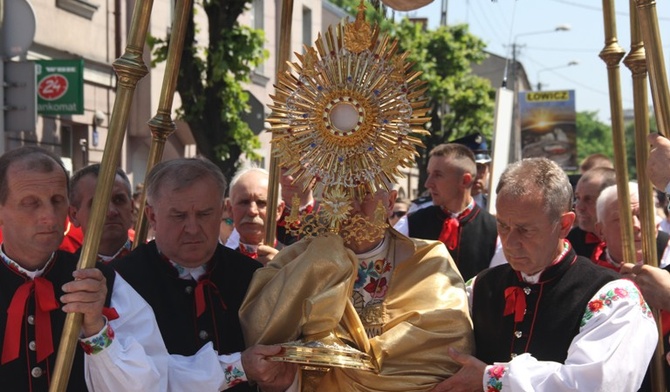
(345, 119)
(303, 293)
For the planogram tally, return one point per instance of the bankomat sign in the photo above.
(60, 87)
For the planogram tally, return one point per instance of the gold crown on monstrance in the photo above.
(346, 117)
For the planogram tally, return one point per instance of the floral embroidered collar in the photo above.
(186, 273)
(16, 267)
(189, 273)
(124, 250)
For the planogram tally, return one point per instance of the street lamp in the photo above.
(515, 139)
(561, 27)
(569, 64)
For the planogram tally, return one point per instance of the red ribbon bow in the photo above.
(449, 233)
(665, 322)
(45, 302)
(600, 247)
(200, 296)
(598, 251)
(515, 302)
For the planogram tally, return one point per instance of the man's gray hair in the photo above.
(533, 175)
(180, 173)
(610, 194)
(246, 170)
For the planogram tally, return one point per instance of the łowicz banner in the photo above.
(548, 126)
(60, 87)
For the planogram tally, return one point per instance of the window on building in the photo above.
(257, 14)
(82, 8)
(74, 144)
(306, 27)
(66, 141)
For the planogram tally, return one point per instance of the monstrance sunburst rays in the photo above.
(347, 116)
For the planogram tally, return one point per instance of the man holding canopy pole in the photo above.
(120, 346)
(550, 320)
(654, 282)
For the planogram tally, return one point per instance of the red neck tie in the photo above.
(515, 303)
(449, 233)
(200, 296)
(45, 302)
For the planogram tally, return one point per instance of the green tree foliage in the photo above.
(211, 79)
(593, 136)
(461, 102)
(631, 155)
(349, 6)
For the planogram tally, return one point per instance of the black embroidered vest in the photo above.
(554, 309)
(174, 303)
(477, 237)
(25, 373)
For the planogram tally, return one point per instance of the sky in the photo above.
(546, 53)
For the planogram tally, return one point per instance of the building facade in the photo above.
(96, 32)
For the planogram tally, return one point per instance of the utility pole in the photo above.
(515, 151)
(443, 13)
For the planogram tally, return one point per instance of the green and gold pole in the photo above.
(130, 69)
(162, 125)
(612, 54)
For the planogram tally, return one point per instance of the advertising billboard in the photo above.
(548, 126)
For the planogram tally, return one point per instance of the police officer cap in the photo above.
(477, 144)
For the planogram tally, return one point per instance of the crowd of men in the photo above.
(447, 297)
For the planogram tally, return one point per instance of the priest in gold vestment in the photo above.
(407, 292)
(345, 119)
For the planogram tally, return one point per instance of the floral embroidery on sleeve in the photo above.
(99, 342)
(495, 374)
(234, 375)
(606, 299)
